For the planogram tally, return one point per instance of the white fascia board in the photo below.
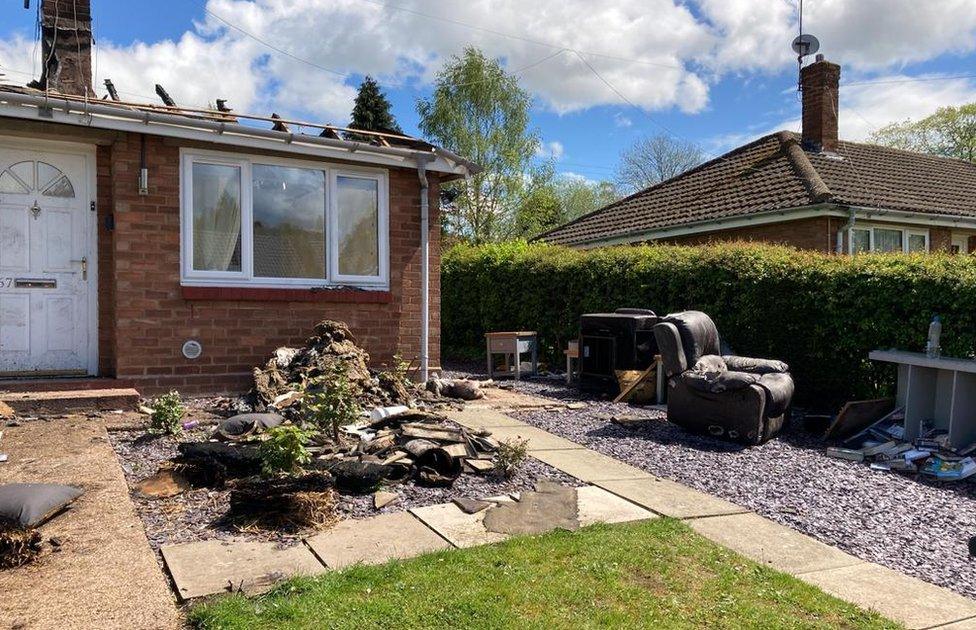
(229, 138)
(759, 218)
(789, 214)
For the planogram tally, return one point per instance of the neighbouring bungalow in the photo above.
(810, 190)
(170, 247)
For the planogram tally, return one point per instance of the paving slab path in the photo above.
(914, 603)
(105, 574)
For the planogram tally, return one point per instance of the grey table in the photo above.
(939, 393)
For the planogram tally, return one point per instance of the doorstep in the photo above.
(71, 400)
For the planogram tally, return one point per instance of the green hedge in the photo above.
(820, 313)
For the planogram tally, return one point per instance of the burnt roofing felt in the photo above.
(776, 173)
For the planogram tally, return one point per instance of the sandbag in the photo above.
(31, 504)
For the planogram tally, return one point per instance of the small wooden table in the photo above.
(571, 352)
(512, 344)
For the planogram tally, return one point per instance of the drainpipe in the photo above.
(847, 227)
(424, 268)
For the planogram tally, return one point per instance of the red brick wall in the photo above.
(152, 318)
(819, 233)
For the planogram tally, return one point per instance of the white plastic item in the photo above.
(932, 348)
(385, 412)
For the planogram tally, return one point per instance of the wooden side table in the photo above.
(571, 352)
(512, 344)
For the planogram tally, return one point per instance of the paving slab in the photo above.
(914, 603)
(965, 624)
(218, 566)
(460, 529)
(596, 505)
(105, 576)
(538, 439)
(66, 401)
(669, 498)
(589, 466)
(482, 417)
(375, 540)
(550, 506)
(772, 544)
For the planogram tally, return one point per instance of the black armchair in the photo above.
(743, 399)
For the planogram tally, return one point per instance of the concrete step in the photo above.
(59, 384)
(65, 401)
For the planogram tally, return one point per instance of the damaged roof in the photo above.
(775, 173)
(224, 125)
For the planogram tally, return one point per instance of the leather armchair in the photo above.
(740, 398)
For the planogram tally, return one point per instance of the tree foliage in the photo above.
(563, 199)
(654, 159)
(479, 111)
(949, 132)
(371, 110)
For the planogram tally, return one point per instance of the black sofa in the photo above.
(739, 398)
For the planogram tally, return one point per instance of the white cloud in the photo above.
(622, 121)
(656, 54)
(552, 150)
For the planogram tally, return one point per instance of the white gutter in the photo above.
(96, 115)
(789, 214)
(424, 269)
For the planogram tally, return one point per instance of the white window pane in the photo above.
(216, 217)
(887, 240)
(860, 241)
(46, 174)
(289, 222)
(916, 243)
(24, 172)
(358, 226)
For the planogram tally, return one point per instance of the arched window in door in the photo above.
(26, 177)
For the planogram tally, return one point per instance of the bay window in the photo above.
(888, 239)
(266, 222)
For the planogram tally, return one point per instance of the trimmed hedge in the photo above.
(820, 313)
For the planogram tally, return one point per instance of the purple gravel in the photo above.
(915, 526)
(199, 514)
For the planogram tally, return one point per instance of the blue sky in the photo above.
(715, 71)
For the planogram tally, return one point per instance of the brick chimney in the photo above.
(66, 43)
(820, 82)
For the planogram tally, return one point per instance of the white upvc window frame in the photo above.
(382, 190)
(906, 232)
(246, 278)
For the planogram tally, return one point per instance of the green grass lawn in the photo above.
(656, 573)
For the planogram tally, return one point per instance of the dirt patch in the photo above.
(103, 574)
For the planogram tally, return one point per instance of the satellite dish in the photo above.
(805, 44)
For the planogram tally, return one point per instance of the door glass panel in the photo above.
(46, 174)
(11, 185)
(289, 222)
(860, 241)
(358, 221)
(24, 172)
(216, 217)
(60, 188)
(887, 240)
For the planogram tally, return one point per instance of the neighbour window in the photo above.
(270, 223)
(885, 239)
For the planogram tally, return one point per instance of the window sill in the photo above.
(249, 294)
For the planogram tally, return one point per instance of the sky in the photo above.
(601, 73)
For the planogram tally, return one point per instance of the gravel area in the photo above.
(913, 525)
(199, 514)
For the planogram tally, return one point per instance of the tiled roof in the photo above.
(775, 173)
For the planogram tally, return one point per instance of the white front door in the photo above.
(46, 263)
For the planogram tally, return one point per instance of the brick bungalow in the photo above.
(809, 190)
(169, 247)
